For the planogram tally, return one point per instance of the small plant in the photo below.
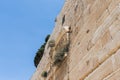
(47, 37)
(44, 74)
(66, 48)
(51, 43)
(61, 54)
(39, 55)
(40, 52)
(58, 57)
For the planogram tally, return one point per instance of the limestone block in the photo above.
(114, 28)
(103, 27)
(114, 76)
(108, 67)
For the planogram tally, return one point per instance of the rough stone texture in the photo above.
(94, 52)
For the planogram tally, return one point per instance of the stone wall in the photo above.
(94, 52)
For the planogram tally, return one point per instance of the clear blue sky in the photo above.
(23, 27)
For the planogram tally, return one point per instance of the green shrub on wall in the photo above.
(58, 57)
(60, 54)
(47, 37)
(39, 55)
(40, 52)
(44, 74)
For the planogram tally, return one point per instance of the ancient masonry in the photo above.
(94, 49)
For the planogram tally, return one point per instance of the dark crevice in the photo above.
(63, 19)
(88, 31)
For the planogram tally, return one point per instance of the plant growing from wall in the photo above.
(44, 74)
(39, 55)
(47, 37)
(51, 43)
(66, 47)
(60, 55)
(40, 52)
(58, 58)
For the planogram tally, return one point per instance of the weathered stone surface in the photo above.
(114, 76)
(94, 52)
(109, 66)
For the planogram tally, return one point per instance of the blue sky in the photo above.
(23, 26)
